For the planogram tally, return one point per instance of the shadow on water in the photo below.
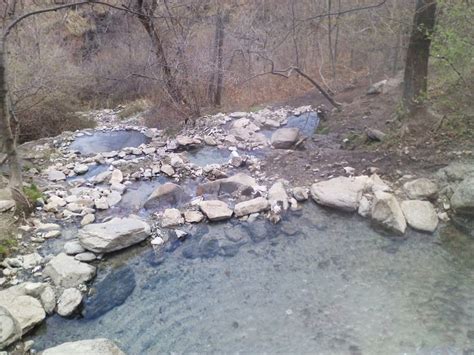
(318, 282)
(100, 142)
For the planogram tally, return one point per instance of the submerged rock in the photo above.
(111, 292)
(387, 213)
(285, 138)
(65, 271)
(166, 194)
(83, 347)
(238, 183)
(420, 215)
(116, 234)
(342, 192)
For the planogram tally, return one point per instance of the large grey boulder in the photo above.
(10, 329)
(65, 271)
(255, 205)
(167, 193)
(387, 213)
(420, 215)
(215, 210)
(285, 138)
(25, 309)
(116, 234)
(462, 200)
(83, 347)
(421, 189)
(343, 193)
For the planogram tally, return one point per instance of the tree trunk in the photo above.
(416, 65)
(7, 137)
(169, 79)
(220, 61)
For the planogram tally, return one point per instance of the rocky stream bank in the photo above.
(122, 184)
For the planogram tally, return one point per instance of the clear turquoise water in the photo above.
(319, 282)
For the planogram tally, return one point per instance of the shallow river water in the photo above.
(318, 282)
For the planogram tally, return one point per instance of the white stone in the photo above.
(68, 302)
(387, 213)
(277, 195)
(193, 216)
(113, 198)
(215, 210)
(167, 169)
(85, 347)
(171, 217)
(255, 205)
(116, 234)
(81, 169)
(10, 329)
(421, 189)
(342, 192)
(285, 138)
(87, 219)
(65, 271)
(420, 215)
(55, 175)
(101, 203)
(27, 310)
(85, 257)
(116, 177)
(300, 193)
(73, 247)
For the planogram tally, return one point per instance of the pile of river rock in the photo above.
(238, 189)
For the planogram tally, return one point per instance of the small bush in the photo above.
(52, 116)
(32, 193)
(133, 108)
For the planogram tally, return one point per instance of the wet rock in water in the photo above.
(462, 200)
(68, 302)
(209, 245)
(116, 177)
(387, 213)
(258, 231)
(420, 215)
(342, 192)
(81, 169)
(113, 198)
(300, 193)
(238, 183)
(215, 210)
(255, 205)
(285, 138)
(27, 310)
(73, 247)
(87, 219)
(111, 292)
(82, 347)
(166, 194)
(116, 234)
(193, 216)
(10, 329)
(167, 169)
(65, 271)
(421, 189)
(6, 205)
(86, 257)
(277, 195)
(171, 218)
